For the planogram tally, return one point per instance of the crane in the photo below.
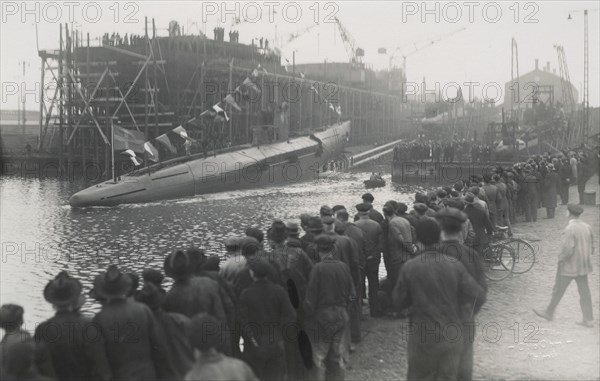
(514, 75)
(586, 76)
(565, 79)
(355, 53)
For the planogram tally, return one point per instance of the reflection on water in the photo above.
(41, 234)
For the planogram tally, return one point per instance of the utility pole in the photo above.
(23, 64)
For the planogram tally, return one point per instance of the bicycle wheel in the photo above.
(524, 255)
(498, 262)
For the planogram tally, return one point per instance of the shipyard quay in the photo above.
(299, 191)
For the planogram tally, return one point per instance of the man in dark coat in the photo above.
(480, 221)
(564, 173)
(265, 312)
(329, 295)
(493, 198)
(437, 288)
(502, 210)
(550, 189)
(345, 250)
(373, 237)
(314, 227)
(205, 336)
(530, 193)
(11, 321)
(451, 221)
(64, 350)
(399, 239)
(190, 295)
(172, 327)
(133, 347)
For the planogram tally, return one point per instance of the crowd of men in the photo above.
(445, 152)
(287, 305)
(115, 39)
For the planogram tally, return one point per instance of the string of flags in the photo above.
(333, 107)
(133, 142)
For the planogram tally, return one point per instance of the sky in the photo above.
(472, 38)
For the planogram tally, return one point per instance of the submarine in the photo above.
(255, 165)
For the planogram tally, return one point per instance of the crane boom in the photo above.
(354, 53)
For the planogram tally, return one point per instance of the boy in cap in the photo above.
(11, 321)
(574, 263)
(63, 348)
(205, 336)
(329, 295)
(265, 311)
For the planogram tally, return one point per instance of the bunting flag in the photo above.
(254, 73)
(128, 139)
(302, 75)
(231, 101)
(132, 156)
(181, 132)
(221, 114)
(151, 151)
(338, 110)
(166, 142)
(248, 84)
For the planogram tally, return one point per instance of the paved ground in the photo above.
(512, 342)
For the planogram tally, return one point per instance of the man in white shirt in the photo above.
(574, 263)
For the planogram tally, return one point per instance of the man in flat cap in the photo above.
(574, 263)
(436, 287)
(325, 211)
(345, 249)
(399, 242)
(451, 221)
(313, 228)
(265, 312)
(480, 221)
(329, 295)
(368, 198)
(373, 236)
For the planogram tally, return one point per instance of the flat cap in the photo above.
(340, 227)
(232, 241)
(261, 268)
(328, 220)
(469, 198)
(368, 197)
(338, 207)
(420, 207)
(326, 211)
(402, 207)
(292, 227)
(304, 218)
(421, 198)
(452, 213)
(575, 209)
(363, 207)
(314, 224)
(325, 241)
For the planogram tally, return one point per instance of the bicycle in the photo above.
(498, 257)
(524, 254)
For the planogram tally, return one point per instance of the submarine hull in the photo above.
(299, 159)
